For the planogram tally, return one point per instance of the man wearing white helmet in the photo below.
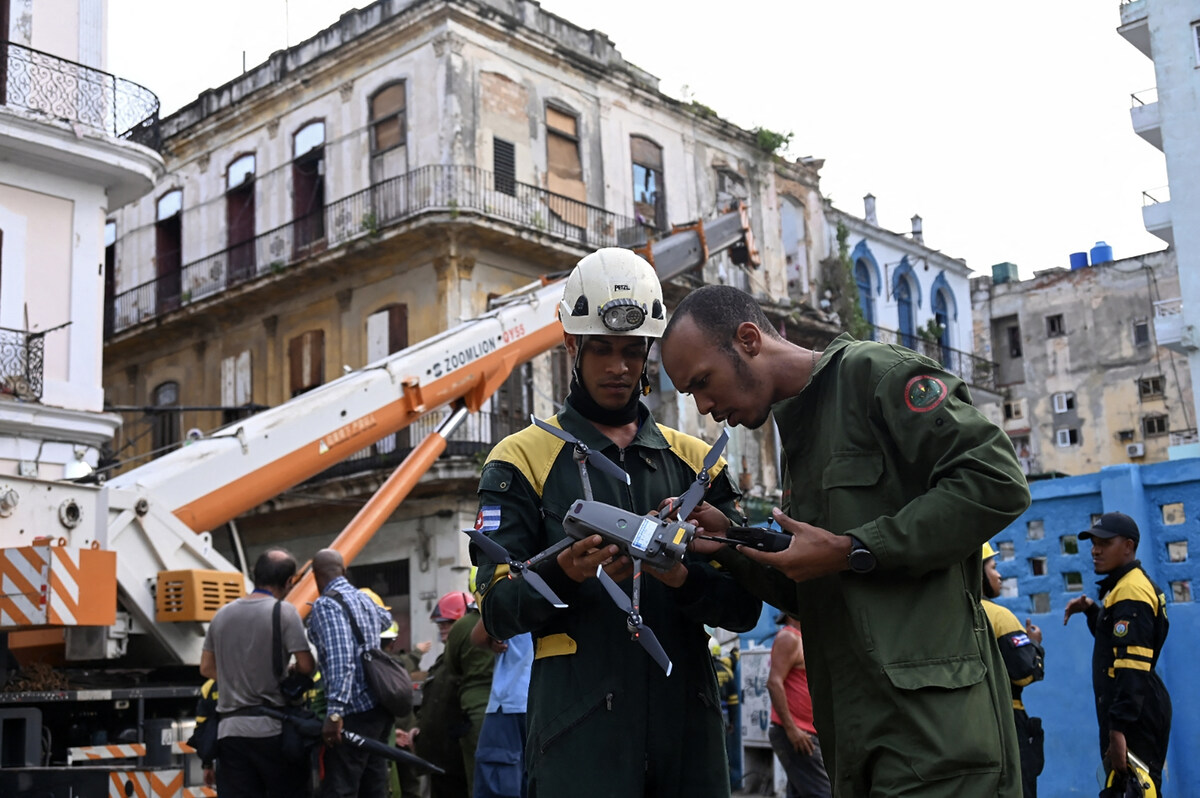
(595, 697)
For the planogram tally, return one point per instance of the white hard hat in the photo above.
(613, 292)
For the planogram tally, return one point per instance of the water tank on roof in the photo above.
(1004, 273)
(1101, 253)
(1079, 260)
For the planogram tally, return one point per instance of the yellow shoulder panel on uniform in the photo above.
(689, 449)
(532, 451)
(1001, 618)
(1133, 586)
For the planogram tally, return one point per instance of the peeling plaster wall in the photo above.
(1095, 359)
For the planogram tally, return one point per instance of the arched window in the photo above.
(907, 312)
(866, 300)
(941, 314)
(239, 218)
(308, 184)
(791, 218)
(649, 192)
(387, 109)
(168, 249)
(164, 431)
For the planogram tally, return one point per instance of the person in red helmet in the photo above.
(454, 698)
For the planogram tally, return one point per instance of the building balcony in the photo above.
(22, 358)
(446, 193)
(1135, 25)
(1146, 117)
(1156, 214)
(974, 371)
(64, 90)
(62, 117)
(1170, 326)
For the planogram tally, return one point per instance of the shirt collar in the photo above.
(1110, 579)
(648, 434)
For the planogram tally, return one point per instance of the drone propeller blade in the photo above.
(616, 593)
(537, 583)
(646, 637)
(490, 548)
(696, 491)
(718, 448)
(607, 466)
(593, 457)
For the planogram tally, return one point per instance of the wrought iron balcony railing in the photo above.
(22, 358)
(974, 371)
(62, 89)
(454, 190)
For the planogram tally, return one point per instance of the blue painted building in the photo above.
(1044, 566)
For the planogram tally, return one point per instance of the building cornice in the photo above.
(903, 243)
(47, 423)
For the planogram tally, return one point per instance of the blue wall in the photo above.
(1064, 700)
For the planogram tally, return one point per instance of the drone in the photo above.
(653, 539)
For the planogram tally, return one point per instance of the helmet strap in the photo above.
(583, 403)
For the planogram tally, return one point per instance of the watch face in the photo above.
(861, 561)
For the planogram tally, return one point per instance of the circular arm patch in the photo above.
(924, 393)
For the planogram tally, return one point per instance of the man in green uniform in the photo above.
(1021, 648)
(1130, 627)
(892, 482)
(603, 718)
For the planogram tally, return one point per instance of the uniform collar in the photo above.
(780, 408)
(1110, 579)
(648, 434)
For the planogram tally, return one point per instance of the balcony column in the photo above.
(454, 265)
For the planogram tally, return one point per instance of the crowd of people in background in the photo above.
(881, 447)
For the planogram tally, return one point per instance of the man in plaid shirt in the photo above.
(349, 703)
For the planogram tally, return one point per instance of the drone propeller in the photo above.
(590, 455)
(639, 631)
(695, 492)
(497, 553)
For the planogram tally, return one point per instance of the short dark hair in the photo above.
(718, 310)
(273, 568)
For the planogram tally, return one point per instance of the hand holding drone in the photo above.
(656, 540)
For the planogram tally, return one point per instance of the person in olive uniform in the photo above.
(1021, 648)
(1130, 627)
(892, 481)
(603, 718)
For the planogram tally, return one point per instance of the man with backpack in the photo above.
(350, 705)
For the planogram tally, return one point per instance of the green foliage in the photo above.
(839, 280)
(370, 223)
(769, 141)
(932, 331)
(702, 110)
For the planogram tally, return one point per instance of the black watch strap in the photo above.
(860, 559)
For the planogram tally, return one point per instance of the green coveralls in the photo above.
(604, 720)
(910, 695)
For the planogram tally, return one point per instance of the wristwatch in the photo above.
(860, 558)
(335, 717)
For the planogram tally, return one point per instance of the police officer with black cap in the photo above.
(1130, 625)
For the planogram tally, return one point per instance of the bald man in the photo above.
(349, 704)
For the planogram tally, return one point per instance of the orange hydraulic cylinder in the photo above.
(374, 513)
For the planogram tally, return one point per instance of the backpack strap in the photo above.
(358, 635)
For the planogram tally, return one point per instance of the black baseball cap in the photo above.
(1111, 525)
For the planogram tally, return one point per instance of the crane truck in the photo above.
(125, 573)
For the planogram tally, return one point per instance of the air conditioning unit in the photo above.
(1135, 449)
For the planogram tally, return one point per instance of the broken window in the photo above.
(308, 184)
(1014, 340)
(1150, 386)
(239, 218)
(306, 361)
(1012, 410)
(649, 193)
(1141, 333)
(1066, 437)
(387, 108)
(1064, 402)
(1055, 325)
(237, 387)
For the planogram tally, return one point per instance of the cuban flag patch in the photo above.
(1019, 639)
(488, 518)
